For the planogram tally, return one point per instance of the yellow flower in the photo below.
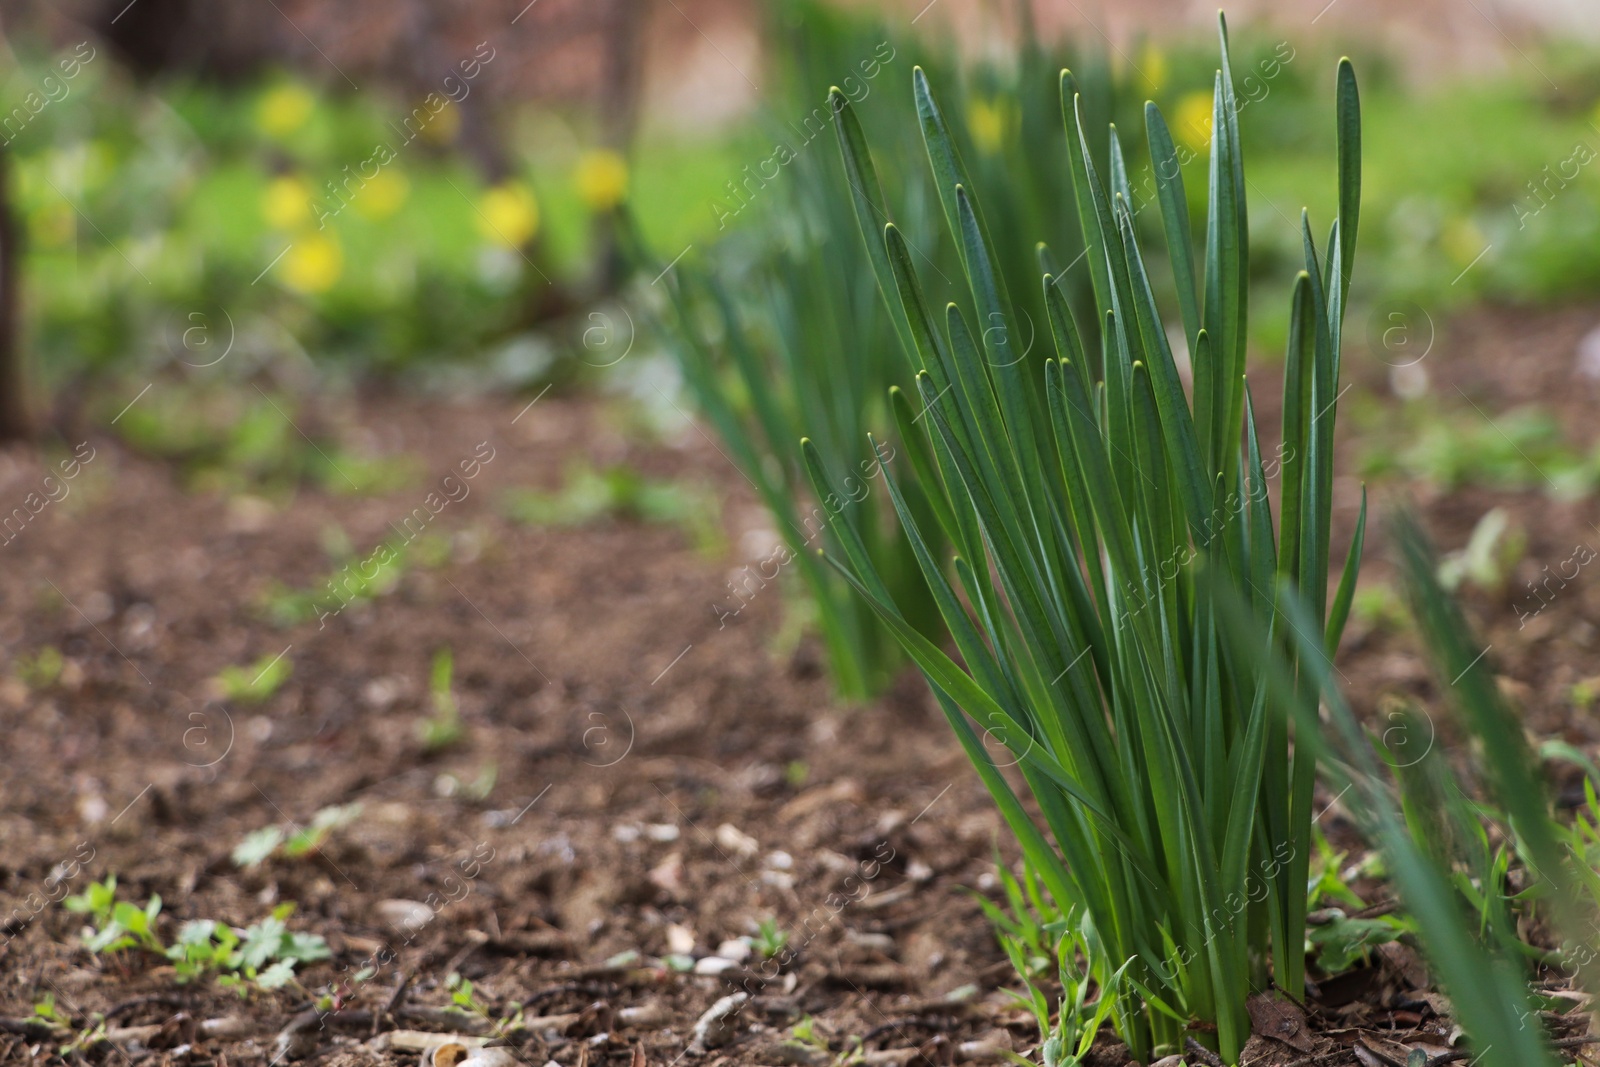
(508, 214)
(1462, 241)
(1192, 123)
(1152, 69)
(286, 203)
(382, 196)
(313, 263)
(443, 127)
(987, 121)
(284, 110)
(602, 179)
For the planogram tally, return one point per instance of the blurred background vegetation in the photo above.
(174, 187)
(263, 207)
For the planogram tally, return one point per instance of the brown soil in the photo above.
(656, 778)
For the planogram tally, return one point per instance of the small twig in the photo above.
(543, 995)
(1376, 911)
(900, 1024)
(35, 1030)
(1205, 1055)
(393, 1005)
(166, 1000)
(1380, 1057)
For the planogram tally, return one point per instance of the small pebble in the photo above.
(680, 939)
(732, 839)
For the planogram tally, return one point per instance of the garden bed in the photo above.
(634, 778)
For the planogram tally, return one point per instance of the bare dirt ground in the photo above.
(660, 784)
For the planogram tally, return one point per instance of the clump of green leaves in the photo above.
(1338, 934)
(116, 924)
(1044, 943)
(254, 683)
(1524, 448)
(258, 845)
(234, 440)
(264, 955)
(1093, 520)
(357, 580)
(443, 728)
(620, 492)
(1477, 876)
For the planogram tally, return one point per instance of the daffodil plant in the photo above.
(1095, 507)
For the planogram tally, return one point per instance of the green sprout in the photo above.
(443, 729)
(42, 669)
(115, 924)
(464, 996)
(769, 939)
(620, 492)
(1491, 554)
(48, 1012)
(255, 683)
(258, 845)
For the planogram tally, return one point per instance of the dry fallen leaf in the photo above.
(1275, 1017)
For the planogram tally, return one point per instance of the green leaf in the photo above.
(276, 976)
(257, 846)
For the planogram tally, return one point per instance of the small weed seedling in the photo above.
(464, 996)
(116, 924)
(1037, 938)
(357, 580)
(46, 1011)
(621, 492)
(263, 956)
(769, 939)
(1490, 556)
(260, 844)
(254, 683)
(1339, 939)
(444, 728)
(806, 1043)
(42, 669)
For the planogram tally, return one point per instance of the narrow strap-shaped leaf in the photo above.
(1339, 612)
(980, 659)
(1174, 218)
(1263, 551)
(1117, 167)
(1177, 425)
(871, 209)
(1348, 109)
(915, 442)
(1316, 527)
(841, 524)
(1296, 426)
(1088, 222)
